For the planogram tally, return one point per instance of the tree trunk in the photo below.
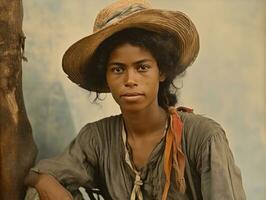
(17, 148)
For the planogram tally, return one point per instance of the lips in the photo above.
(132, 96)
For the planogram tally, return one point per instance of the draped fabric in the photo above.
(96, 159)
(174, 158)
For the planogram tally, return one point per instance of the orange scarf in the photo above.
(174, 158)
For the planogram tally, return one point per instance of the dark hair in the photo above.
(163, 47)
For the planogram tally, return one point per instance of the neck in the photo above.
(145, 122)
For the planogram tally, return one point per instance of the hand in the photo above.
(50, 189)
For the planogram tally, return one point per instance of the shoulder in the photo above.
(201, 134)
(198, 129)
(101, 130)
(102, 124)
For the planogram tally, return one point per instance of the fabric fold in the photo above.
(174, 158)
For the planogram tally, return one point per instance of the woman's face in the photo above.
(133, 78)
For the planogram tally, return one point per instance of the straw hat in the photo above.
(127, 14)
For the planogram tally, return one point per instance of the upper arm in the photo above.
(77, 165)
(220, 177)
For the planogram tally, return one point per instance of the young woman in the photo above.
(151, 150)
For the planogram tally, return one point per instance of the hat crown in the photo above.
(117, 11)
(121, 15)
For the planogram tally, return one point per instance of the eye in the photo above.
(117, 69)
(143, 67)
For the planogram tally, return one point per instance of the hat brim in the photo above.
(76, 58)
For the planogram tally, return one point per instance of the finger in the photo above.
(43, 196)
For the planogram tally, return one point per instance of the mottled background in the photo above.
(227, 81)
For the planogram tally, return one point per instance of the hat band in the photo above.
(119, 15)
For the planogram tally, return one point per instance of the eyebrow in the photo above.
(135, 63)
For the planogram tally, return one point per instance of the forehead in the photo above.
(131, 52)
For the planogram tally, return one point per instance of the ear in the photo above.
(162, 77)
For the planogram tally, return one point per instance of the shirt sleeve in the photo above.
(76, 166)
(32, 194)
(220, 177)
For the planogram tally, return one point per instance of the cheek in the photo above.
(112, 85)
(154, 81)
(109, 81)
(153, 87)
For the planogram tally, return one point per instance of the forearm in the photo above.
(32, 179)
(47, 186)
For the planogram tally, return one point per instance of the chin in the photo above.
(132, 108)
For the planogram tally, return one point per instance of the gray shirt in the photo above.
(96, 159)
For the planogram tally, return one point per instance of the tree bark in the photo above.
(17, 148)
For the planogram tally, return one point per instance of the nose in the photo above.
(130, 78)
